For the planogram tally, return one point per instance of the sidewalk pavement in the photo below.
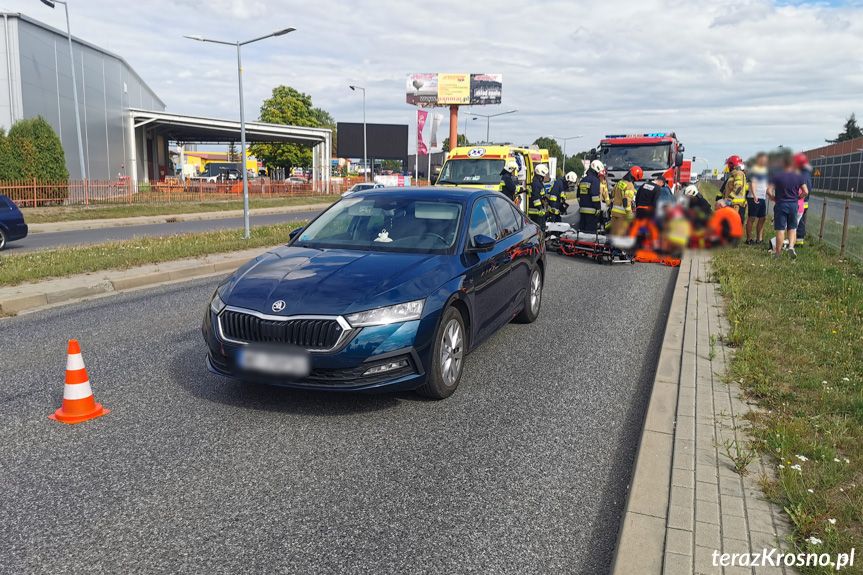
(25, 297)
(686, 500)
(143, 220)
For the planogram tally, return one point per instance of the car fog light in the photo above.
(386, 367)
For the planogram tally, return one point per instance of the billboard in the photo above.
(426, 90)
(385, 141)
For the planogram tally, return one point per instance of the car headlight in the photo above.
(386, 315)
(216, 304)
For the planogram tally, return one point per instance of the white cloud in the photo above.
(728, 77)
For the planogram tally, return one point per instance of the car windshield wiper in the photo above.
(448, 182)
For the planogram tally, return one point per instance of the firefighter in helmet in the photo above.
(509, 180)
(557, 196)
(589, 198)
(623, 198)
(537, 201)
(734, 189)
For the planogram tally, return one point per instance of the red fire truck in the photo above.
(659, 154)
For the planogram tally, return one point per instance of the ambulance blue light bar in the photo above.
(656, 135)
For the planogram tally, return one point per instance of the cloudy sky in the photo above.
(728, 77)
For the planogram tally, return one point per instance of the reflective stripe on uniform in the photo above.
(537, 202)
(587, 210)
(618, 210)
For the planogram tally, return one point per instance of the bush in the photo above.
(32, 150)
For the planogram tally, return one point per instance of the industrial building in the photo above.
(124, 127)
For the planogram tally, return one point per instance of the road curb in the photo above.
(167, 218)
(641, 540)
(35, 296)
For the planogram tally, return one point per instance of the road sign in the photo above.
(817, 173)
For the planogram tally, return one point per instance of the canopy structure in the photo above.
(151, 131)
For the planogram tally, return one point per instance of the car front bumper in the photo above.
(343, 370)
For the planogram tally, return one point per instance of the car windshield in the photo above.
(648, 157)
(485, 172)
(386, 224)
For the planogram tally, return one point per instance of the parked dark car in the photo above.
(12, 226)
(386, 290)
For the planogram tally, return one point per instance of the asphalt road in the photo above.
(835, 211)
(43, 241)
(524, 470)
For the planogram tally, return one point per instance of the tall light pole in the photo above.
(239, 45)
(365, 147)
(488, 118)
(465, 125)
(707, 166)
(565, 140)
(51, 4)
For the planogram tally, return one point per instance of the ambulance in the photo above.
(480, 166)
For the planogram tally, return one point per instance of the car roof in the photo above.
(424, 193)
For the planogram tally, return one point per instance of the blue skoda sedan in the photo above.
(387, 290)
(12, 226)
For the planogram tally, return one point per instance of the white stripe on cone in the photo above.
(77, 390)
(74, 362)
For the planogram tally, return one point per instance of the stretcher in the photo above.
(565, 240)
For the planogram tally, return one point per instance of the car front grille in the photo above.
(317, 334)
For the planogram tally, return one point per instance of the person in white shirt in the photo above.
(756, 197)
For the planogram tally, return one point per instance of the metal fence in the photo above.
(34, 193)
(838, 223)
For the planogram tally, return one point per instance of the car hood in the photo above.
(334, 282)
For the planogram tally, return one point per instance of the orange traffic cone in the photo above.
(78, 402)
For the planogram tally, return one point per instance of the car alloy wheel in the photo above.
(451, 352)
(2, 239)
(535, 291)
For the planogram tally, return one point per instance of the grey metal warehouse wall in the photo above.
(37, 73)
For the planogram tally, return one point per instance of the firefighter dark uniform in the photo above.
(622, 199)
(645, 200)
(556, 200)
(536, 201)
(508, 185)
(589, 202)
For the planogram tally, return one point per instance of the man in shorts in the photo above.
(785, 189)
(756, 200)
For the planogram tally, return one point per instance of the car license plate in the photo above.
(294, 363)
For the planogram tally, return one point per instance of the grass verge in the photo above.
(798, 330)
(819, 194)
(77, 213)
(62, 262)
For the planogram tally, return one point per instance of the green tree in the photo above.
(462, 141)
(325, 120)
(850, 131)
(289, 107)
(551, 145)
(575, 164)
(394, 165)
(233, 156)
(32, 150)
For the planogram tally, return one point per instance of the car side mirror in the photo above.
(294, 233)
(678, 159)
(482, 243)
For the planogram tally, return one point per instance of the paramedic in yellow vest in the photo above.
(536, 201)
(622, 201)
(735, 186)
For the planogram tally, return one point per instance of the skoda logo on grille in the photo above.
(476, 153)
(279, 305)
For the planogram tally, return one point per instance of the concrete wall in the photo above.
(39, 70)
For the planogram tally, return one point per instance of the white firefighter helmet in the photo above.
(691, 190)
(511, 166)
(571, 177)
(597, 166)
(541, 170)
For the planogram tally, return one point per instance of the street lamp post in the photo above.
(565, 140)
(365, 147)
(51, 4)
(239, 45)
(465, 125)
(488, 118)
(706, 164)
